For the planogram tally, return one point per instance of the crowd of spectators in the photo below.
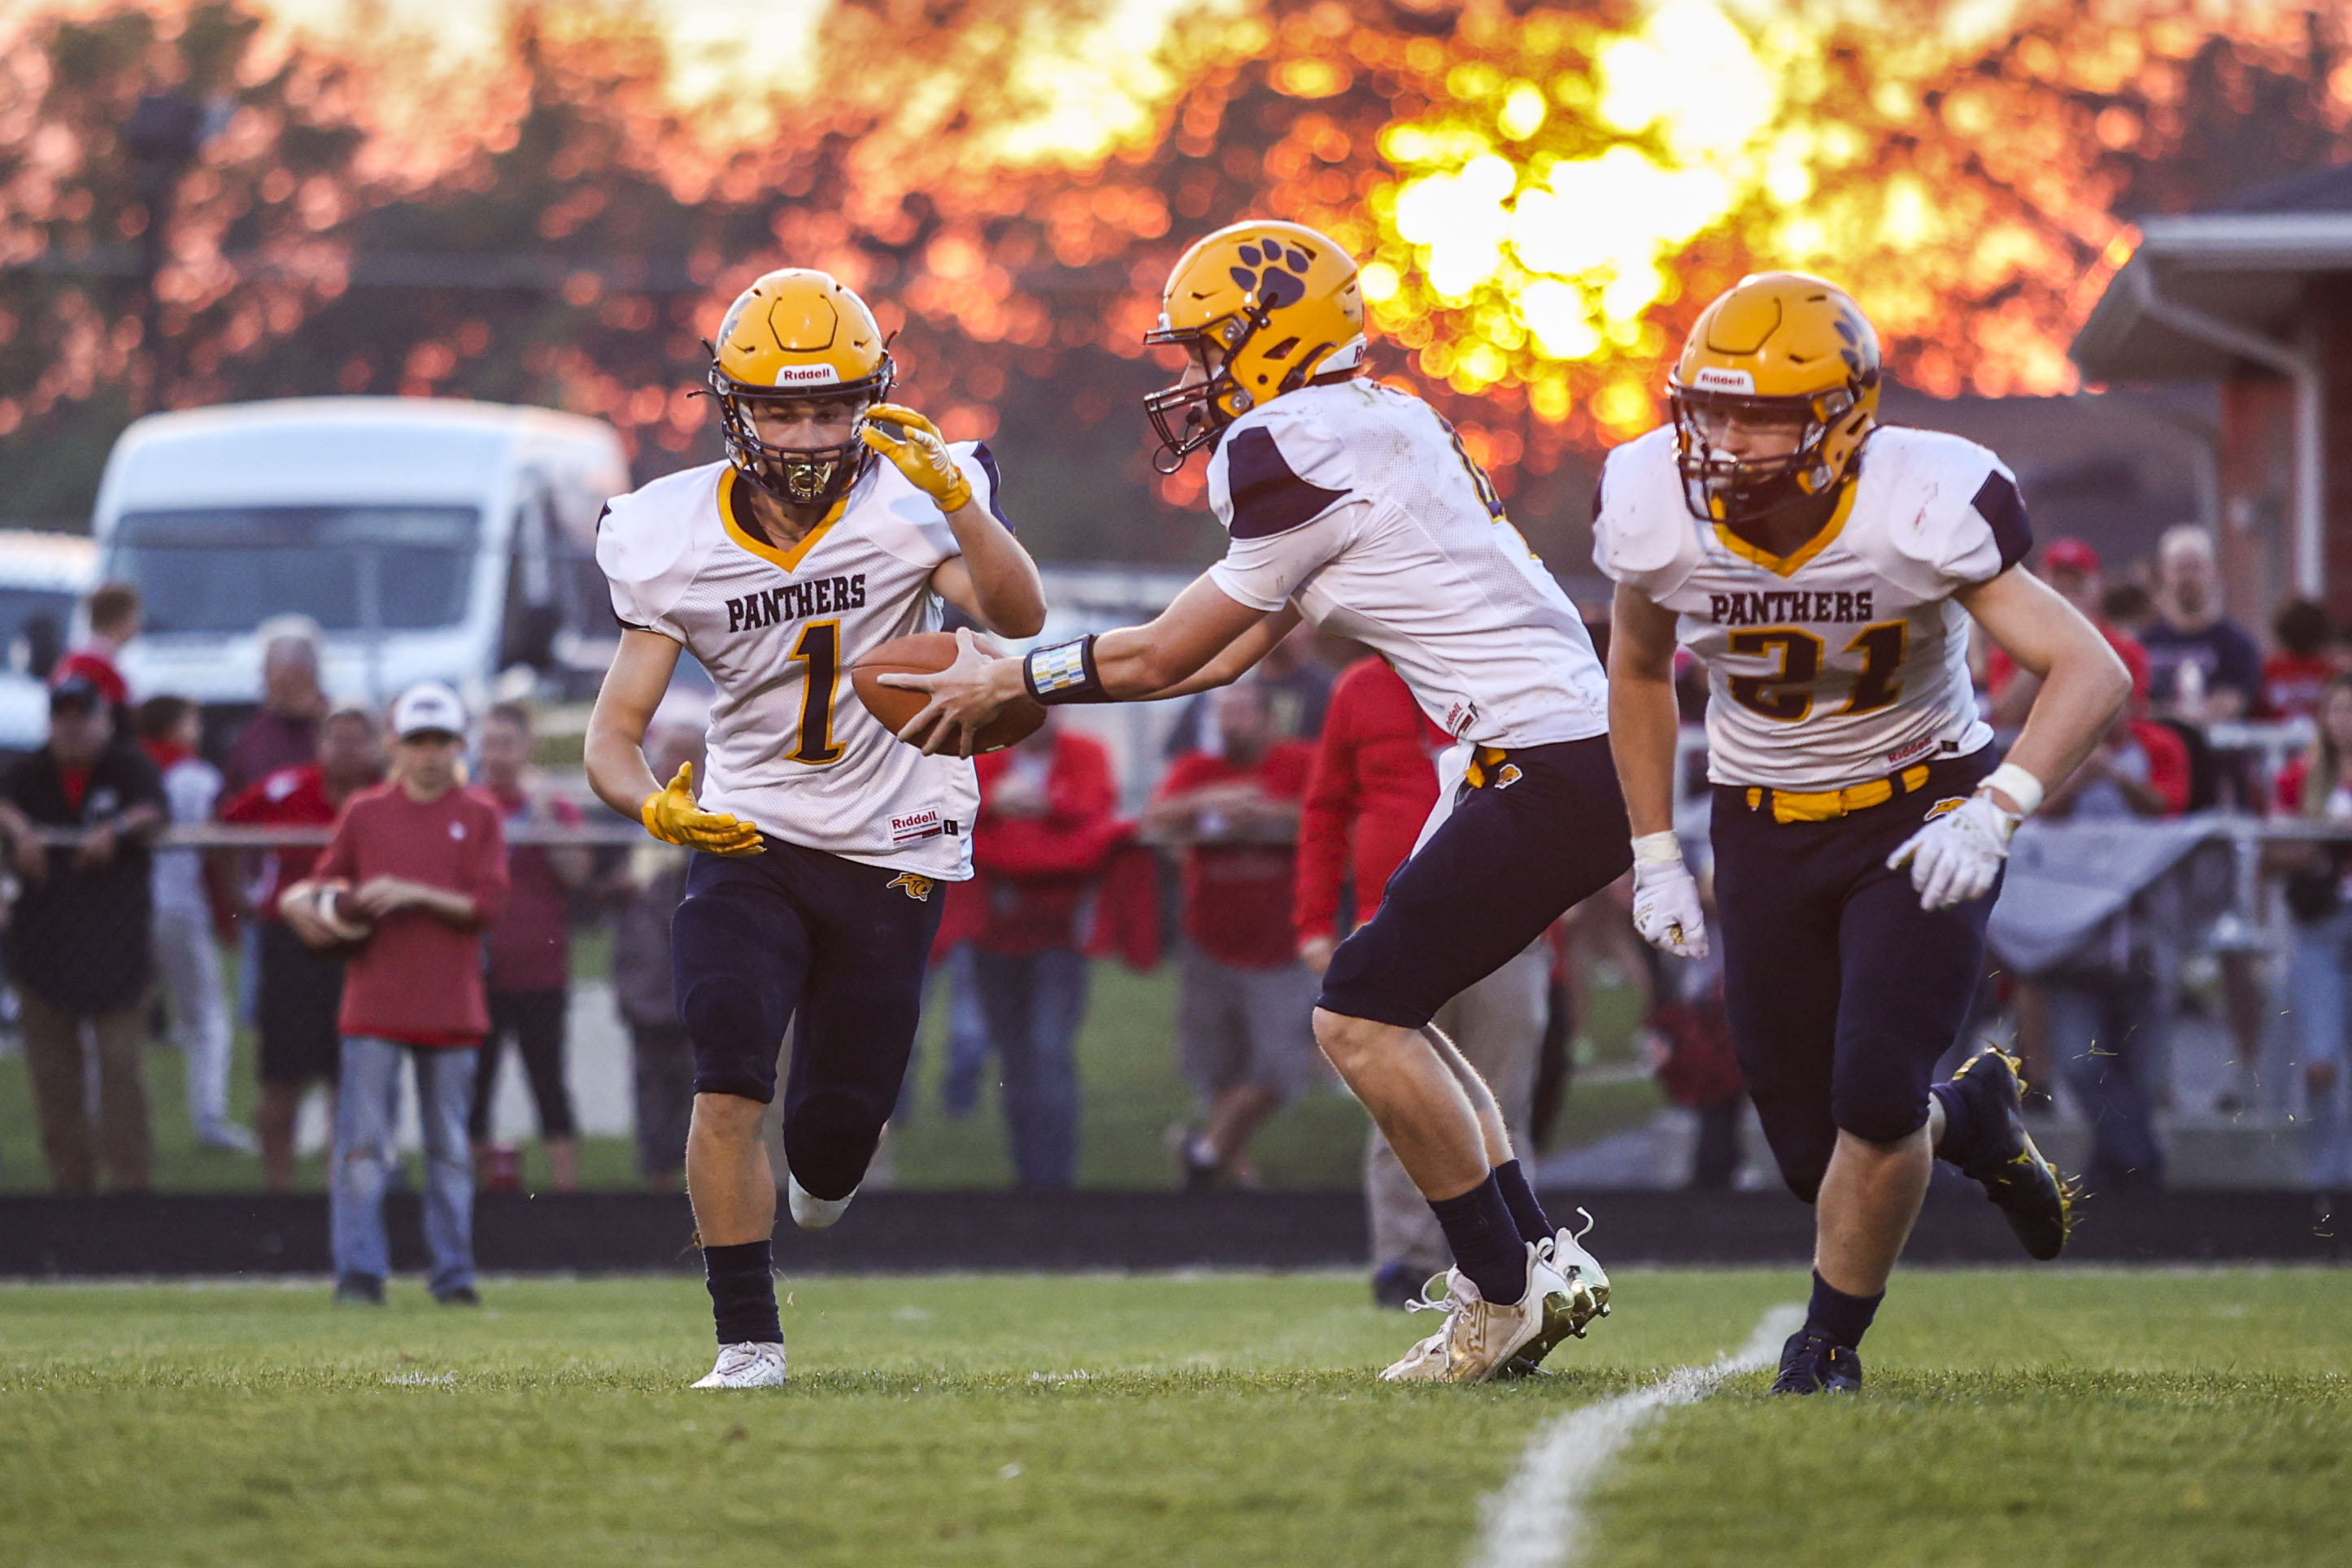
(1282, 804)
(109, 943)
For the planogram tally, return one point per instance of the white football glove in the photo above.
(1666, 909)
(1956, 856)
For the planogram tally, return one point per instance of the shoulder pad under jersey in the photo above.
(1946, 510)
(1279, 467)
(1643, 531)
(652, 541)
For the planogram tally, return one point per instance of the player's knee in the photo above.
(728, 1117)
(829, 1140)
(1351, 1045)
(735, 1040)
(1883, 1115)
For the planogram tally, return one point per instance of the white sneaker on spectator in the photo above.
(747, 1365)
(1480, 1336)
(227, 1135)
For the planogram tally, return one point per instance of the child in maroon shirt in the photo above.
(425, 860)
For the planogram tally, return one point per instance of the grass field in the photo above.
(2060, 1417)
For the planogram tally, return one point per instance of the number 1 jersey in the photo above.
(792, 750)
(1847, 659)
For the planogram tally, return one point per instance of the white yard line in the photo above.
(1538, 1519)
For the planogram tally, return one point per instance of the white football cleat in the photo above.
(1587, 1297)
(811, 1212)
(1588, 1282)
(747, 1365)
(1481, 1336)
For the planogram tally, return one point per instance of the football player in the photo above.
(1825, 569)
(837, 521)
(1353, 506)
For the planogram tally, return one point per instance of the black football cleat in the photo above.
(2038, 1203)
(1813, 1363)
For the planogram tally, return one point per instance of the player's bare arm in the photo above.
(1130, 663)
(615, 755)
(1644, 722)
(2082, 684)
(993, 580)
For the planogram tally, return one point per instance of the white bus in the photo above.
(429, 539)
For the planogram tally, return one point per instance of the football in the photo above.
(351, 928)
(920, 654)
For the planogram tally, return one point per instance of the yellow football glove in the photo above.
(923, 457)
(671, 816)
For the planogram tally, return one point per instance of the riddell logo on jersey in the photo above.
(916, 825)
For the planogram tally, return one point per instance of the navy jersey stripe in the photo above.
(995, 483)
(1997, 501)
(1268, 498)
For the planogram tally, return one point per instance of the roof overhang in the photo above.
(2248, 270)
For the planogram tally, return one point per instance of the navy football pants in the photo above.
(1546, 832)
(1843, 992)
(797, 933)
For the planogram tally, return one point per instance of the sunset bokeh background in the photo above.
(553, 203)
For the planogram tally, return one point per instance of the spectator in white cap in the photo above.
(416, 868)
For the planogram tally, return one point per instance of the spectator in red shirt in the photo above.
(530, 955)
(422, 861)
(1048, 825)
(2072, 567)
(1374, 781)
(1245, 1003)
(2293, 678)
(113, 614)
(298, 992)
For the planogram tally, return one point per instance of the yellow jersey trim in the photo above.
(1789, 564)
(789, 560)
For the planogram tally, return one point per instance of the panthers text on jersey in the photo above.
(792, 750)
(1356, 502)
(1848, 659)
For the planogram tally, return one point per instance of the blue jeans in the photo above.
(367, 1113)
(2099, 1033)
(1034, 1003)
(967, 1034)
(2316, 982)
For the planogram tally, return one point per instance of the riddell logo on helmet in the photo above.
(806, 374)
(1722, 378)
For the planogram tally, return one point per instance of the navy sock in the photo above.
(1520, 1198)
(1960, 1123)
(1485, 1241)
(1842, 1317)
(742, 1283)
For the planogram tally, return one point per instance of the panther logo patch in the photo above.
(1277, 274)
(919, 888)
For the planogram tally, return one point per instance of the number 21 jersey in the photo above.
(792, 750)
(1847, 659)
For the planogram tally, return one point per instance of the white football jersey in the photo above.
(792, 750)
(1356, 502)
(1848, 659)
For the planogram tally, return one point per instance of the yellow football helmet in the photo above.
(1282, 305)
(1776, 349)
(794, 336)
